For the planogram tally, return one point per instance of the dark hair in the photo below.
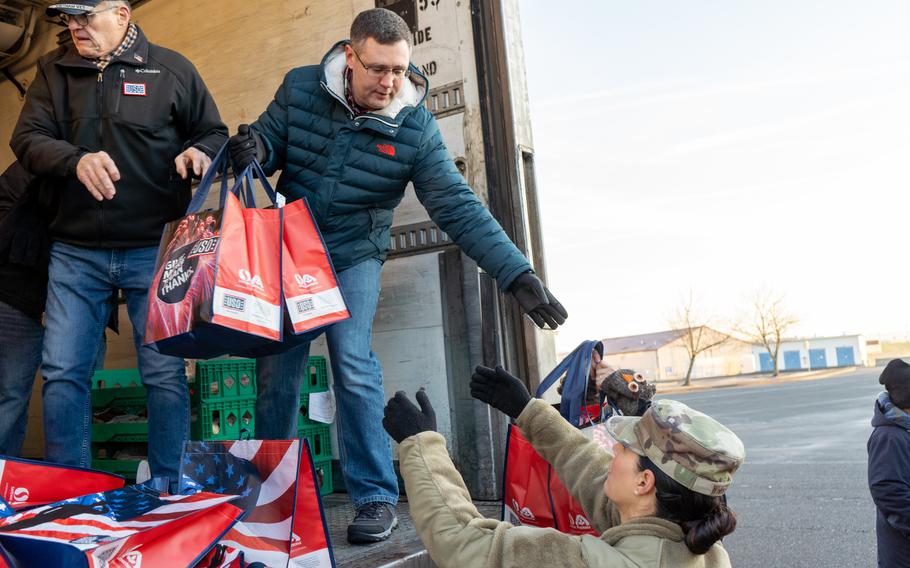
(384, 26)
(704, 519)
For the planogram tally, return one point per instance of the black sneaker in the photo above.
(374, 522)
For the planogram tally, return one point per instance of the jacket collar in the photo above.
(412, 93)
(644, 526)
(136, 56)
(887, 414)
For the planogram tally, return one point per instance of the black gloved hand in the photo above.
(245, 147)
(500, 389)
(23, 235)
(537, 301)
(402, 419)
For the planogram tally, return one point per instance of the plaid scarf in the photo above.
(102, 62)
(349, 93)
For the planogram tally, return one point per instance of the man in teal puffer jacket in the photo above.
(349, 135)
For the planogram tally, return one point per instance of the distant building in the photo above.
(663, 356)
(815, 353)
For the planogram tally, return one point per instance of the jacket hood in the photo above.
(886, 414)
(412, 92)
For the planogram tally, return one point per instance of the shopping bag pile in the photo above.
(240, 504)
(239, 280)
(127, 527)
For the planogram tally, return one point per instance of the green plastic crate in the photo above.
(324, 476)
(126, 468)
(121, 432)
(120, 388)
(320, 440)
(227, 420)
(317, 377)
(224, 379)
(109, 450)
(116, 378)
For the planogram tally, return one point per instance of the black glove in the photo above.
(500, 389)
(403, 419)
(537, 301)
(23, 235)
(245, 147)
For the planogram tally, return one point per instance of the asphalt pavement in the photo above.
(801, 497)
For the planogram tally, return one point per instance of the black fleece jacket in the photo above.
(146, 107)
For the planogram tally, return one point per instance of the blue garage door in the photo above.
(791, 360)
(845, 357)
(764, 362)
(817, 358)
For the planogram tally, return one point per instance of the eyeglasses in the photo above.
(378, 71)
(83, 19)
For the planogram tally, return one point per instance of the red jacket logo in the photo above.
(387, 149)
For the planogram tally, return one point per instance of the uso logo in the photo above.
(134, 89)
(20, 495)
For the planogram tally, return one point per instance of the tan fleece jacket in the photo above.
(456, 535)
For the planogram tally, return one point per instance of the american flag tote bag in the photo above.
(283, 523)
(130, 527)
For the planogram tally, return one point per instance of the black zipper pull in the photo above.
(119, 94)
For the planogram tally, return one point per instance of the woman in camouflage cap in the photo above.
(657, 501)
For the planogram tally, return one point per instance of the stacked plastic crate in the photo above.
(119, 422)
(318, 434)
(223, 400)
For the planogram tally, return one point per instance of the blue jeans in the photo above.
(20, 355)
(366, 455)
(80, 284)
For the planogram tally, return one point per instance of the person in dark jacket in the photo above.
(23, 282)
(117, 126)
(889, 466)
(350, 135)
(24, 247)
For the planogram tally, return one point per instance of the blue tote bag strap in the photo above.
(243, 186)
(575, 367)
(219, 165)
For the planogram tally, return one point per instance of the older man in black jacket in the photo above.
(118, 126)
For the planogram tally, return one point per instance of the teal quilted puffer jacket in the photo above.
(353, 171)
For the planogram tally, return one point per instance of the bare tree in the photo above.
(767, 323)
(698, 337)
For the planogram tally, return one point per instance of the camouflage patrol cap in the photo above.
(695, 450)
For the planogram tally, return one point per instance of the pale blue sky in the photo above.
(722, 146)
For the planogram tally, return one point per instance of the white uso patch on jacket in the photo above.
(134, 89)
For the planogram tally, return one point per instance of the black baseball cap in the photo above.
(73, 8)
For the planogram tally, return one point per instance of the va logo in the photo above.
(250, 280)
(305, 281)
(20, 495)
(526, 513)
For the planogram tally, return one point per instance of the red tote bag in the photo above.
(532, 492)
(311, 296)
